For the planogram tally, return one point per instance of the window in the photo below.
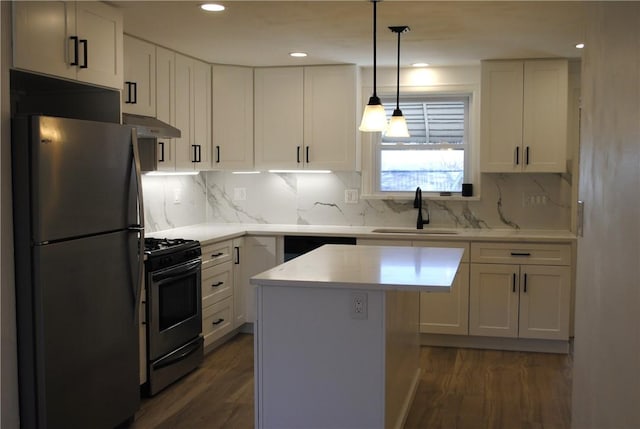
(436, 156)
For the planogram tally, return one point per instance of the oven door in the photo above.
(174, 307)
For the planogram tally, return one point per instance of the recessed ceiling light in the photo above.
(298, 54)
(212, 7)
(420, 64)
(580, 45)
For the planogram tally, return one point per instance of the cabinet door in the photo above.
(501, 116)
(166, 104)
(41, 31)
(239, 292)
(544, 302)
(139, 92)
(493, 300)
(201, 93)
(185, 150)
(260, 255)
(330, 129)
(232, 117)
(447, 313)
(101, 58)
(279, 118)
(546, 94)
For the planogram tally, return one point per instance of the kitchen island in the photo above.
(336, 335)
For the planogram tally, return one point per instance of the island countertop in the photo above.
(425, 269)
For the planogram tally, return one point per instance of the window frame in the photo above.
(371, 143)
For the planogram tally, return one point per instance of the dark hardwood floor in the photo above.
(459, 389)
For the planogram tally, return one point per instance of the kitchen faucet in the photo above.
(417, 204)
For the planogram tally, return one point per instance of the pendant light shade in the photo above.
(373, 117)
(398, 124)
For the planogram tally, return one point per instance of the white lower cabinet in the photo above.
(441, 313)
(520, 300)
(447, 313)
(259, 254)
(502, 289)
(239, 292)
(217, 291)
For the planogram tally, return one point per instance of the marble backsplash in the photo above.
(318, 199)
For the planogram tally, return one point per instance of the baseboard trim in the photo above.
(496, 343)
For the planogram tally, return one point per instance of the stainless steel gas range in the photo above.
(173, 310)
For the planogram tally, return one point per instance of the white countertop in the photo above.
(425, 269)
(212, 232)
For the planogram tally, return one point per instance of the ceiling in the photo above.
(263, 33)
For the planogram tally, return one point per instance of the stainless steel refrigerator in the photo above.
(78, 234)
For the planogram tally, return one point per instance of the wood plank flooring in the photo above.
(458, 389)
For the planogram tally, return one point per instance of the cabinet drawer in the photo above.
(525, 253)
(217, 283)
(447, 244)
(217, 253)
(217, 320)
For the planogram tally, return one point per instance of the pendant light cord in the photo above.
(398, 76)
(374, 47)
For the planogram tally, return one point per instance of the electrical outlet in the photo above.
(351, 196)
(534, 199)
(359, 305)
(239, 194)
(177, 196)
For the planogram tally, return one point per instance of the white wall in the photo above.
(606, 389)
(8, 354)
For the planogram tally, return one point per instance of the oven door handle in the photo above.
(177, 272)
(171, 360)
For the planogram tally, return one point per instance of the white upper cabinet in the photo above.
(139, 93)
(279, 117)
(524, 116)
(305, 118)
(232, 117)
(330, 130)
(166, 105)
(193, 113)
(72, 40)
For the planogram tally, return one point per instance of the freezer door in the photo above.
(86, 337)
(83, 178)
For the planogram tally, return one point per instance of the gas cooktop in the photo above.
(152, 245)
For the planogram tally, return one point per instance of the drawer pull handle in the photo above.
(217, 255)
(520, 254)
(217, 284)
(217, 322)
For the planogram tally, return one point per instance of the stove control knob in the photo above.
(192, 253)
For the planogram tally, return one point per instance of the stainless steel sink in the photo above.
(415, 231)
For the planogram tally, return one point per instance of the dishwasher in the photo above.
(296, 245)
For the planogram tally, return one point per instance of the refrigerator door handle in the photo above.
(140, 227)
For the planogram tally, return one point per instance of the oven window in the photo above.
(177, 301)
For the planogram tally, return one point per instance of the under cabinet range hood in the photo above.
(149, 130)
(149, 127)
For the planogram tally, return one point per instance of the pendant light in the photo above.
(373, 117)
(398, 124)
